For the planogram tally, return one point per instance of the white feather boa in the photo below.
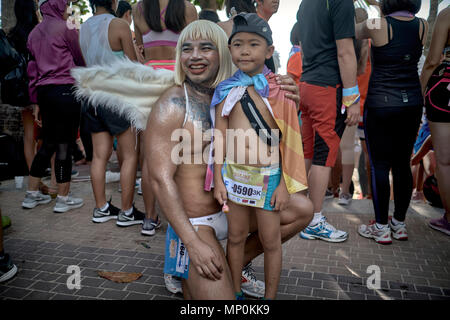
(127, 88)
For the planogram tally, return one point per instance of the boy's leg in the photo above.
(238, 227)
(270, 236)
(293, 219)
(199, 288)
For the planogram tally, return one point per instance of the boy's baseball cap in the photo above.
(252, 23)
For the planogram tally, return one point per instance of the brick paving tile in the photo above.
(138, 296)
(113, 294)
(328, 294)
(39, 295)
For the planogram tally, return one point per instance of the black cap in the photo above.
(252, 23)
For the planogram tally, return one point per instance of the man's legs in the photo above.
(197, 287)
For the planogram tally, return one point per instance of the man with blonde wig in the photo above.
(202, 62)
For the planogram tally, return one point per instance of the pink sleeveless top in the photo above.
(156, 39)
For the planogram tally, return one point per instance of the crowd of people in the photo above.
(350, 79)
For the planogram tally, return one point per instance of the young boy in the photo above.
(251, 175)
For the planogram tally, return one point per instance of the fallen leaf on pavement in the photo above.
(120, 277)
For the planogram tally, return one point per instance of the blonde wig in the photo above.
(207, 30)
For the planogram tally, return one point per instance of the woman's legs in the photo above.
(29, 145)
(102, 148)
(128, 153)
(440, 135)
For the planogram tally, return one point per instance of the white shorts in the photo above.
(217, 221)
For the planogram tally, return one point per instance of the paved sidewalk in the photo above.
(43, 244)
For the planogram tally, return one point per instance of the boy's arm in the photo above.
(280, 197)
(220, 147)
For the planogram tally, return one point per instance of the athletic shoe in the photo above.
(345, 199)
(32, 201)
(136, 217)
(105, 215)
(74, 174)
(324, 231)
(139, 183)
(173, 284)
(418, 197)
(149, 226)
(70, 203)
(250, 285)
(329, 194)
(441, 225)
(398, 231)
(7, 268)
(371, 231)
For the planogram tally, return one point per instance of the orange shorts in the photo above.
(322, 122)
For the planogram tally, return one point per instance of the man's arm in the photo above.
(347, 68)
(166, 117)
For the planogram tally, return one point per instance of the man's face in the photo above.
(249, 52)
(200, 61)
(270, 6)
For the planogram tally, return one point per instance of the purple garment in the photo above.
(54, 49)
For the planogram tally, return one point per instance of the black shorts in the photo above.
(60, 113)
(437, 95)
(101, 120)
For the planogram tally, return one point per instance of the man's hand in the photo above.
(220, 191)
(288, 84)
(353, 114)
(205, 259)
(280, 198)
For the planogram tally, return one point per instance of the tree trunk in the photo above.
(434, 4)
(8, 16)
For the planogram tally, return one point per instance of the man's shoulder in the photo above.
(171, 100)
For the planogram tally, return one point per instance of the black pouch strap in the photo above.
(257, 122)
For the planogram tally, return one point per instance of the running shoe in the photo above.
(70, 203)
(109, 213)
(381, 236)
(398, 231)
(440, 224)
(250, 285)
(32, 200)
(149, 226)
(324, 231)
(173, 284)
(139, 186)
(345, 199)
(329, 194)
(136, 217)
(418, 197)
(74, 174)
(7, 268)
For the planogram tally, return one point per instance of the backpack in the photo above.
(13, 74)
(431, 192)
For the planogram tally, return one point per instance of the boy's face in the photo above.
(200, 61)
(249, 52)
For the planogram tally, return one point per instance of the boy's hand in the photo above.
(220, 191)
(280, 198)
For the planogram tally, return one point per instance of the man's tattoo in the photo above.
(198, 111)
(199, 88)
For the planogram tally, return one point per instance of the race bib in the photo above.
(176, 261)
(246, 185)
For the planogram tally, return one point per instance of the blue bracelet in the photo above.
(350, 91)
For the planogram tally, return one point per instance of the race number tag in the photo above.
(245, 187)
(176, 261)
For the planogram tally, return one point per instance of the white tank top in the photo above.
(94, 41)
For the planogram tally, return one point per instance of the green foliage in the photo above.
(85, 6)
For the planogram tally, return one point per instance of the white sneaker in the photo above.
(139, 183)
(398, 231)
(173, 284)
(323, 231)
(66, 205)
(344, 199)
(32, 201)
(250, 285)
(382, 236)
